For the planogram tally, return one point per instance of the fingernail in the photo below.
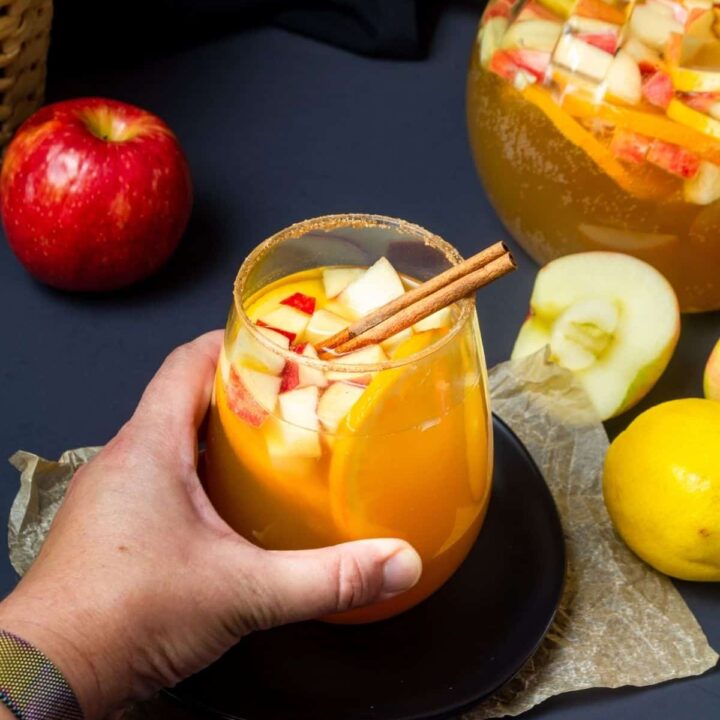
(401, 571)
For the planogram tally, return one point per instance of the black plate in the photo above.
(450, 651)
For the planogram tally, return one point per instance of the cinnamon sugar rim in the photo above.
(330, 222)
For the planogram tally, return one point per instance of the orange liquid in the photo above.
(555, 199)
(412, 459)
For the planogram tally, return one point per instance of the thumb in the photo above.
(305, 584)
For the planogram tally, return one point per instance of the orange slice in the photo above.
(693, 80)
(408, 428)
(637, 184)
(651, 124)
(684, 114)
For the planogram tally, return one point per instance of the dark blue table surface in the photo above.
(278, 128)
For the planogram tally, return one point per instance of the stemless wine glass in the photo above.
(391, 441)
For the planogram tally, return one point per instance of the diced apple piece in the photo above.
(251, 394)
(440, 319)
(607, 42)
(299, 407)
(336, 279)
(369, 355)
(613, 316)
(532, 35)
(290, 377)
(285, 320)
(610, 238)
(579, 24)
(300, 301)
(704, 188)
(653, 27)
(298, 434)
(491, 35)
(623, 79)
(629, 146)
(708, 103)
(657, 89)
(336, 402)
(580, 57)
(310, 375)
(336, 307)
(535, 62)
(497, 9)
(668, 7)
(378, 285)
(673, 159)
(711, 377)
(324, 324)
(647, 59)
(395, 340)
(247, 350)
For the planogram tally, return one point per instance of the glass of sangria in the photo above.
(392, 440)
(595, 125)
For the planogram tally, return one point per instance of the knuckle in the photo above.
(353, 586)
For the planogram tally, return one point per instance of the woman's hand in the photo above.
(140, 583)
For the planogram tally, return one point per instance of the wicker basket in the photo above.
(24, 40)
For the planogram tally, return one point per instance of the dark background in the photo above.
(279, 127)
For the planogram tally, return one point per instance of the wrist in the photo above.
(69, 637)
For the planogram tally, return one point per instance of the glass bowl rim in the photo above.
(325, 222)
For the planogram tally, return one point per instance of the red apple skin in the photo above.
(94, 194)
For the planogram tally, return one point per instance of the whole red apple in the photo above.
(94, 194)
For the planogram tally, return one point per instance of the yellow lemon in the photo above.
(662, 488)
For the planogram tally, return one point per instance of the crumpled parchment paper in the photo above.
(619, 622)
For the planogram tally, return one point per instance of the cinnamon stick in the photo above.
(456, 272)
(427, 304)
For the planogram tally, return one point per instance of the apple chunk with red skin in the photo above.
(251, 394)
(94, 194)
(610, 318)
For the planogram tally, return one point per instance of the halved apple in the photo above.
(711, 378)
(610, 318)
(378, 285)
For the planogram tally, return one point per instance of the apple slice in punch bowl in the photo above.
(596, 126)
(309, 446)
